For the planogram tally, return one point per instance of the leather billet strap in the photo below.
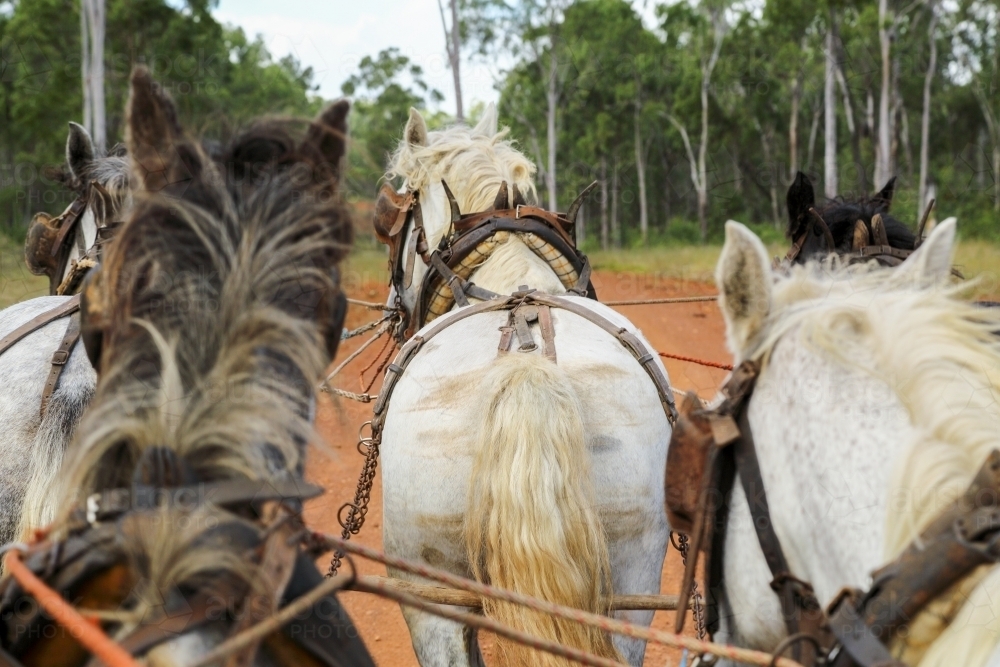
(34, 324)
(60, 358)
(734, 449)
(107, 505)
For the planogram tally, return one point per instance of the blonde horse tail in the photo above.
(531, 525)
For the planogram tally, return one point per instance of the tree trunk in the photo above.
(452, 44)
(718, 21)
(616, 228)
(88, 109)
(455, 58)
(640, 168)
(604, 202)
(852, 127)
(925, 117)
(94, 68)
(813, 131)
(793, 127)
(830, 112)
(552, 97)
(996, 171)
(883, 156)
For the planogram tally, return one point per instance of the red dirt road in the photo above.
(694, 330)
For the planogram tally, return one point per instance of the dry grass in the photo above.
(367, 264)
(16, 282)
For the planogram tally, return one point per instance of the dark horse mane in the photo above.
(840, 215)
(210, 321)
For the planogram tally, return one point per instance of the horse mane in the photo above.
(938, 352)
(472, 163)
(218, 303)
(841, 214)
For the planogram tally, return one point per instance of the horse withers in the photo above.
(874, 408)
(536, 463)
(210, 320)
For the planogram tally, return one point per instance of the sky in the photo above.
(332, 36)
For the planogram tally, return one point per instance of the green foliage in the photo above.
(382, 100)
(219, 78)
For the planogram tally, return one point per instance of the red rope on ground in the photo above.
(85, 631)
(702, 362)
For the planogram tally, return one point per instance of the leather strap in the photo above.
(548, 333)
(59, 359)
(39, 321)
(799, 606)
(628, 340)
(70, 218)
(110, 504)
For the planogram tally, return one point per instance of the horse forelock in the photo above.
(208, 292)
(473, 164)
(936, 351)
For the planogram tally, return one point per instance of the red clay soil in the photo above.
(694, 330)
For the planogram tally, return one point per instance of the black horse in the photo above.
(854, 229)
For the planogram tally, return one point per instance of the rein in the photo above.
(710, 448)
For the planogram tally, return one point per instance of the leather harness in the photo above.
(60, 357)
(60, 252)
(710, 447)
(395, 214)
(91, 549)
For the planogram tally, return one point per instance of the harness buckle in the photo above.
(93, 507)
(59, 357)
(517, 211)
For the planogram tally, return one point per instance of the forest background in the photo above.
(701, 114)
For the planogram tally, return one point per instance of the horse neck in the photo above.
(828, 439)
(514, 265)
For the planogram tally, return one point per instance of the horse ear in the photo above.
(930, 264)
(743, 276)
(800, 199)
(487, 125)
(883, 198)
(327, 135)
(153, 134)
(416, 129)
(79, 150)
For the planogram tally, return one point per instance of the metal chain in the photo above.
(697, 605)
(358, 510)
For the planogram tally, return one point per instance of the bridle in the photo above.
(709, 448)
(399, 224)
(867, 242)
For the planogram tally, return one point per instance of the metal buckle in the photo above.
(517, 212)
(59, 357)
(93, 508)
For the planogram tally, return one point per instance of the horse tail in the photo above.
(531, 525)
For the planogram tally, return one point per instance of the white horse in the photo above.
(876, 405)
(32, 444)
(542, 477)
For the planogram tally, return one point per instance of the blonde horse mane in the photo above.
(941, 356)
(473, 163)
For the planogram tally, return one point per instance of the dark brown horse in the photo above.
(211, 319)
(845, 227)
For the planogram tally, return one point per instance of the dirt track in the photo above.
(694, 330)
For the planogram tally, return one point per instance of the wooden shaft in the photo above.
(457, 598)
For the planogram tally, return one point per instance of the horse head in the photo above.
(843, 226)
(445, 174)
(212, 316)
(102, 199)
